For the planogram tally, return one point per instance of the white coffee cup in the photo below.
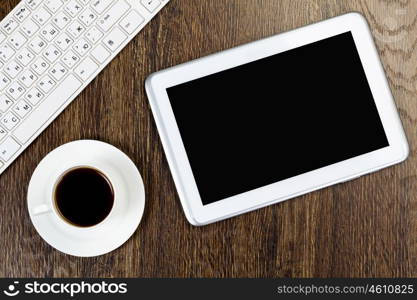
(50, 206)
(124, 217)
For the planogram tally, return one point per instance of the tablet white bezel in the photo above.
(199, 214)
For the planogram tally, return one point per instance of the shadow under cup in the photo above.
(83, 196)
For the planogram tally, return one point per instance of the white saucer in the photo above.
(118, 227)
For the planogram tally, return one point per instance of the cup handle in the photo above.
(41, 209)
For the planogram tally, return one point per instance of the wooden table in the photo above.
(367, 227)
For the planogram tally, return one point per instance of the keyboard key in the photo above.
(113, 15)
(73, 8)
(40, 66)
(64, 41)
(21, 13)
(29, 28)
(115, 38)
(2, 37)
(58, 71)
(61, 20)
(22, 108)
(17, 40)
(6, 52)
(13, 69)
(49, 32)
(75, 29)
(41, 16)
(9, 121)
(70, 59)
(34, 96)
(5, 103)
(4, 81)
(15, 90)
(151, 5)
(131, 22)
(86, 68)
(9, 25)
(52, 53)
(37, 45)
(25, 56)
(8, 148)
(94, 35)
(3, 134)
(46, 84)
(100, 5)
(27, 78)
(82, 47)
(100, 54)
(88, 17)
(47, 108)
(33, 3)
(53, 5)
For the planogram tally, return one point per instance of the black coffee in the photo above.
(84, 197)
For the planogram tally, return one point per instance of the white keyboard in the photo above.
(50, 50)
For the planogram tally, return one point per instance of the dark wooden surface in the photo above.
(367, 227)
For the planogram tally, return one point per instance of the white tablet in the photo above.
(276, 118)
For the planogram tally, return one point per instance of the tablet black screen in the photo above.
(277, 117)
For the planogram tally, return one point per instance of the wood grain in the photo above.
(367, 227)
